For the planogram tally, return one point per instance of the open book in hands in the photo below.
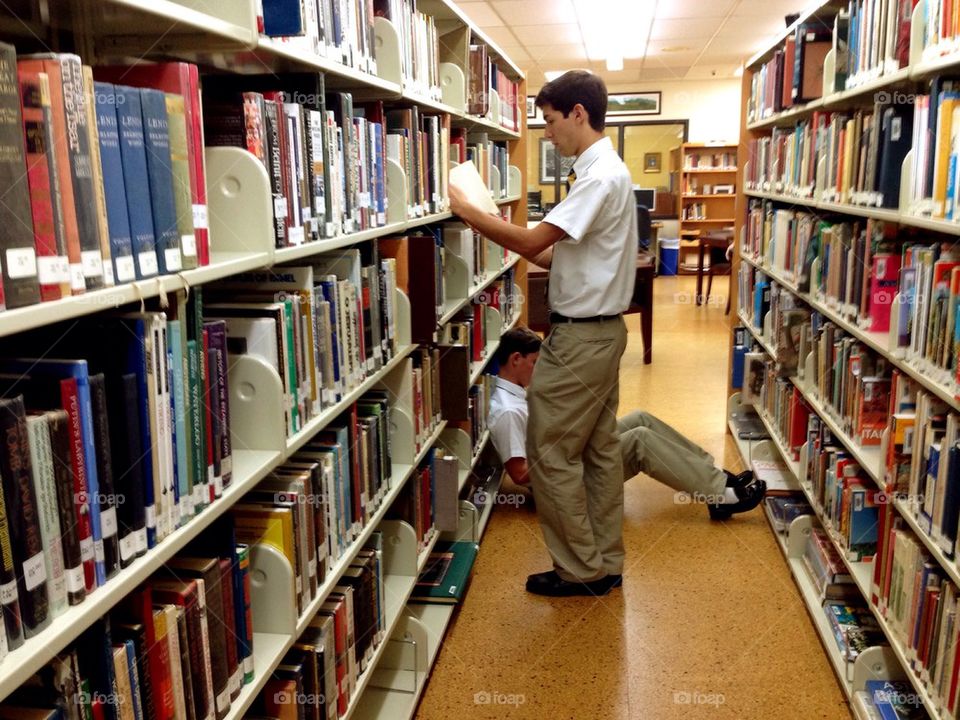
(468, 181)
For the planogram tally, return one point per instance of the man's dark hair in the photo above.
(522, 340)
(576, 86)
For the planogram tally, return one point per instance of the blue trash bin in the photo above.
(669, 256)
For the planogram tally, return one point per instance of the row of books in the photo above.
(341, 30)
(323, 327)
(420, 45)
(481, 256)
(325, 157)
(858, 268)
(704, 160)
(851, 157)
(868, 38)
(484, 78)
(318, 676)
(178, 646)
(105, 183)
(315, 505)
(920, 605)
(486, 154)
(695, 211)
(430, 502)
(111, 448)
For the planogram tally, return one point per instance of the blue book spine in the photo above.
(951, 186)
(111, 166)
(178, 403)
(134, 678)
(282, 17)
(136, 181)
(156, 139)
(137, 364)
(381, 174)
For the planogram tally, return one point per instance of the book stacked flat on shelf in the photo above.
(784, 509)
(444, 579)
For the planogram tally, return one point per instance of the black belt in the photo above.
(558, 318)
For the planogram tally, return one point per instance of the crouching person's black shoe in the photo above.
(749, 495)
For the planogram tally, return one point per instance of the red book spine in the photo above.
(198, 174)
(71, 403)
(34, 95)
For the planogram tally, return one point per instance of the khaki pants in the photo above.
(649, 445)
(574, 450)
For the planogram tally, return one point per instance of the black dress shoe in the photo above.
(552, 585)
(749, 496)
(740, 481)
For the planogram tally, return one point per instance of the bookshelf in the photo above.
(223, 39)
(700, 169)
(784, 182)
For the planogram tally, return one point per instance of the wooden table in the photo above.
(716, 239)
(538, 312)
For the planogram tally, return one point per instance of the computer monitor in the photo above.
(646, 197)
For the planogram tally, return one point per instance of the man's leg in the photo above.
(602, 469)
(571, 383)
(651, 446)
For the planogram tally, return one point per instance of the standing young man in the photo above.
(572, 441)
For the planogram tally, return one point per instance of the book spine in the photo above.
(103, 233)
(92, 487)
(108, 497)
(44, 488)
(136, 181)
(35, 100)
(156, 140)
(274, 159)
(217, 707)
(81, 170)
(197, 430)
(172, 620)
(114, 190)
(180, 168)
(244, 608)
(23, 514)
(234, 668)
(59, 429)
(126, 438)
(180, 412)
(61, 145)
(18, 254)
(218, 341)
(198, 181)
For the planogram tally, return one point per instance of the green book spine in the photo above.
(198, 459)
(292, 380)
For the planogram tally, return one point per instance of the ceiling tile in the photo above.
(481, 13)
(685, 29)
(709, 71)
(501, 35)
(541, 54)
(525, 12)
(517, 53)
(537, 34)
(651, 72)
(746, 8)
(693, 8)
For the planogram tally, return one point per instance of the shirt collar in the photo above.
(588, 156)
(511, 388)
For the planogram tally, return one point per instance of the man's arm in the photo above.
(529, 243)
(517, 470)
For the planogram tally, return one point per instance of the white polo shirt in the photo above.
(594, 266)
(507, 420)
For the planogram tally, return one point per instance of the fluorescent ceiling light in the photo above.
(614, 28)
(738, 72)
(552, 75)
(615, 63)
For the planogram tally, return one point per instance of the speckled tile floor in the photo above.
(708, 624)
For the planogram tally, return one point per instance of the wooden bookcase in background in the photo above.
(697, 180)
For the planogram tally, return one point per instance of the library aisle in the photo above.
(709, 622)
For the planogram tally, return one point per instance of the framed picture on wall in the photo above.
(531, 107)
(645, 103)
(652, 162)
(548, 166)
